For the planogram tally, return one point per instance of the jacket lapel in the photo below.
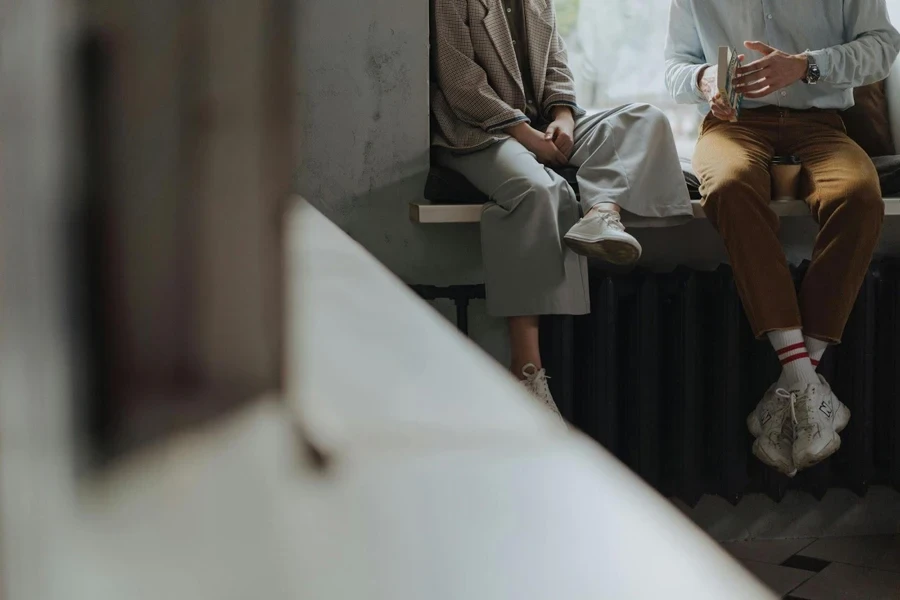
(538, 24)
(498, 30)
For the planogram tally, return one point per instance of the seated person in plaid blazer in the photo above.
(504, 115)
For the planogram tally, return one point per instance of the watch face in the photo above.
(812, 73)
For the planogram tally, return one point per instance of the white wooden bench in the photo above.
(428, 213)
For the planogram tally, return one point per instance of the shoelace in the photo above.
(792, 397)
(531, 372)
(612, 219)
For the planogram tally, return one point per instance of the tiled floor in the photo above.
(852, 568)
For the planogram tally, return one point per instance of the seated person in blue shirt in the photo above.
(803, 60)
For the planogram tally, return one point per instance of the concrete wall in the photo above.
(363, 116)
(364, 139)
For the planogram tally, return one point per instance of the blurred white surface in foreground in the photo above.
(446, 481)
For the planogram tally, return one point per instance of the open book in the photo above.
(729, 61)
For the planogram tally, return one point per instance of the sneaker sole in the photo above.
(614, 252)
(759, 452)
(771, 461)
(841, 420)
(810, 461)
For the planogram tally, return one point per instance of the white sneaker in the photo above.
(842, 417)
(601, 235)
(772, 427)
(818, 417)
(536, 382)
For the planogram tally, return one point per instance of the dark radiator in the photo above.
(665, 369)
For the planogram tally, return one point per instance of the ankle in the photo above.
(609, 207)
(797, 369)
(816, 349)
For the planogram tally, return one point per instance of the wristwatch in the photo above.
(813, 74)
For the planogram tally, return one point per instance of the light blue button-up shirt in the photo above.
(852, 41)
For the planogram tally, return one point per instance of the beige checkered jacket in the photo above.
(477, 88)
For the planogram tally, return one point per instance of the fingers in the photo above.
(721, 110)
(759, 47)
(564, 143)
(560, 159)
(551, 132)
(750, 79)
(751, 87)
(754, 68)
(721, 113)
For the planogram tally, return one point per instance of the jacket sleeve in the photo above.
(559, 87)
(462, 80)
(870, 53)
(684, 54)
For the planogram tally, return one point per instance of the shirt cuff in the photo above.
(695, 83)
(823, 61)
(577, 111)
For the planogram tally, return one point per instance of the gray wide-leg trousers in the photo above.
(625, 155)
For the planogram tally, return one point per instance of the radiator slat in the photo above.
(665, 369)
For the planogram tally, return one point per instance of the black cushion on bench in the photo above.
(445, 186)
(888, 168)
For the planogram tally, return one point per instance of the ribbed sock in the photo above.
(797, 369)
(816, 349)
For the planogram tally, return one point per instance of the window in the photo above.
(614, 65)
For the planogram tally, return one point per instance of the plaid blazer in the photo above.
(477, 88)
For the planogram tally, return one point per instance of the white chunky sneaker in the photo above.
(818, 417)
(536, 382)
(601, 235)
(842, 416)
(771, 425)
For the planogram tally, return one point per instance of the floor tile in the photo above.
(868, 551)
(806, 563)
(846, 582)
(780, 580)
(890, 560)
(773, 552)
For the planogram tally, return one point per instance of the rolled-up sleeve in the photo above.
(684, 54)
(462, 80)
(871, 53)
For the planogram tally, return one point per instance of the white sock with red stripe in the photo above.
(816, 349)
(797, 369)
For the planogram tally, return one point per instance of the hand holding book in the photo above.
(716, 85)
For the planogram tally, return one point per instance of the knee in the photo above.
(533, 191)
(860, 199)
(649, 114)
(865, 195)
(729, 194)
